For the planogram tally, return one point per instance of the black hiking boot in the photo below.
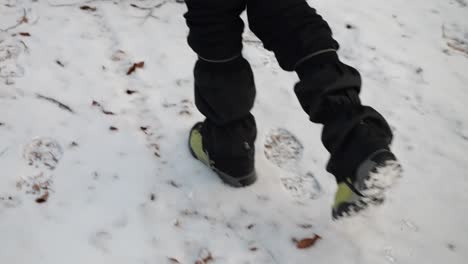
(235, 170)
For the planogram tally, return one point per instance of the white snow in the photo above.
(134, 194)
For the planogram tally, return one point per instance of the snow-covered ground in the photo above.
(94, 166)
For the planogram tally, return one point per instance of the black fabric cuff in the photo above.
(312, 63)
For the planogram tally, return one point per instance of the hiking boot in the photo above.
(374, 176)
(236, 171)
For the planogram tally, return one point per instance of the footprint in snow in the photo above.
(284, 150)
(42, 155)
(10, 51)
(100, 240)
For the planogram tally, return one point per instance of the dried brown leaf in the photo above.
(307, 242)
(140, 64)
(24, 34)
(43, 198)
(135, 66)
(208, 258)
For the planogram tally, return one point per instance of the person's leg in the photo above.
(224, 90)
(328, 90)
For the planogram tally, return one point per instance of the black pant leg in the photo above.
(224, 83)
(291, 29)
(215, 28)
(328, 89)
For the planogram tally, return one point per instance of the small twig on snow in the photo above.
(75, 4)
(52, 100)
(22, 20)
(150, 10)
(26, 48)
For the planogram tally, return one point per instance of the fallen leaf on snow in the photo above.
(306, 242)
(135, 66)
(24, 34)
(43, 198)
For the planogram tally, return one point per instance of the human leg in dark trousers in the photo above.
(224, 90)
(356, 136)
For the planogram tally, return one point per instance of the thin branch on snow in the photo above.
(22, 20)
(26, 48)
(75, 4)
(150, 10)
(52, 100)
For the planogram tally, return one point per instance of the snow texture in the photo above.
(94, 166)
